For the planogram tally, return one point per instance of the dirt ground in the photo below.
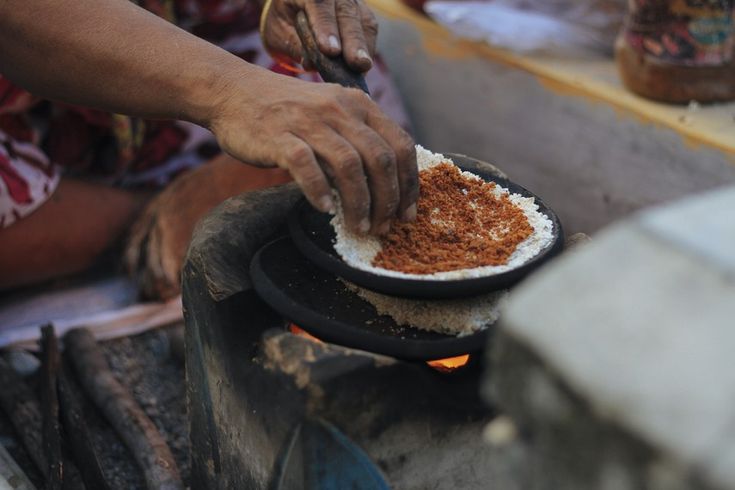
(154, 374)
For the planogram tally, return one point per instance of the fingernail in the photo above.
(361, 53)
(327, 204)
(364, 226)
(384, 228)
(333, 42)
(410, 213)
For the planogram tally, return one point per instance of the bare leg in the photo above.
(67, 233)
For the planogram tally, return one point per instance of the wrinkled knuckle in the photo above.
(298, 155)
(362, 207)
(311, 180)
(356, 97)
(345, 4)
(370, 24)
(405, 147)
(386, 161)
(357, 205)
(347, 11)
(406, 142)
(392, 201)
(334, 104)
(348, 162)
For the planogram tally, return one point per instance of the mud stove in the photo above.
(273, 408)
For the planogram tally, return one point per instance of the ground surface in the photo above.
(155, 376)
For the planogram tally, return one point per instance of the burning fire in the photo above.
(450, 363)
(295, 329)
(444, 365)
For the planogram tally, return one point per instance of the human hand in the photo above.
(325, 135)
(346, 27)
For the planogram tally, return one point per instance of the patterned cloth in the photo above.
(41, 140)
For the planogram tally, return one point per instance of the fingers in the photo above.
(405, 153)
(343, 164)
(354, 44)
(321, 15)
(280, 37)
(369, 28)
(369, 159)
(379, 163)
(344, 26)
(298, 157)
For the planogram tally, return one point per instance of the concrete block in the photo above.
(636, 330)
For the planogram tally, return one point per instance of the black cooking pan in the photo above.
(314, 236)
(319, 302)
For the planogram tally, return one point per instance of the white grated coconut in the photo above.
(360, 250)
(458, 317)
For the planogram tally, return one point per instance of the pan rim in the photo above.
(350, 335)
(330, 260)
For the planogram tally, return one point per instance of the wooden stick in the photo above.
(132, 424)
(22, 408)
(73, 414)
(333, 70)
(54, 470)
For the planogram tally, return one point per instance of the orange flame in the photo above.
(444, 365)
(450, 363)
(295, 329)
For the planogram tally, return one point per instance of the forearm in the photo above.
(113, 55)
(68, 233)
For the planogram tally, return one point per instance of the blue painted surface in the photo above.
(323, 458)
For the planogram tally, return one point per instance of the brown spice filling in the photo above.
(460, 224)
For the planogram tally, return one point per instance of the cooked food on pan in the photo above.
(458, 317)
(465, 227)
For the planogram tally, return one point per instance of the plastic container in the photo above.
(678, 51)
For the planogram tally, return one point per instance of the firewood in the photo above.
(73, 408)
(54, 470)
(127, 418)
(21, 406)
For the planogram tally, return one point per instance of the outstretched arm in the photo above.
(113, 55)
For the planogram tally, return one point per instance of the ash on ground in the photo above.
(147, 366)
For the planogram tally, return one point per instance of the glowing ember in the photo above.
(450, 363)
(444, 365)
(295, 329)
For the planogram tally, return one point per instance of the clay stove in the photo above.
(270, 408)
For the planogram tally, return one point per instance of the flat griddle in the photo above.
(314, 236)
(319, 302)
